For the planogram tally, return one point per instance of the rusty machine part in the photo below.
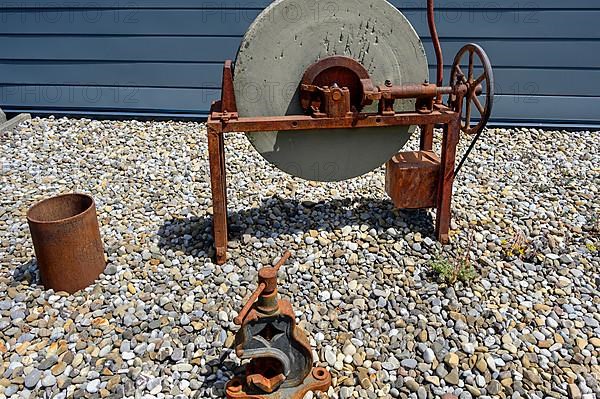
(337, 92)
(67, 242)
(278, 351)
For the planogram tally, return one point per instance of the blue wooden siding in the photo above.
(162, 58)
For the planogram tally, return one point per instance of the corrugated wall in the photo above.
(162, 58)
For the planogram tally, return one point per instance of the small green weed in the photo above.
(450, 271)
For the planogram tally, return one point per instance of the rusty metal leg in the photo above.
(219, 190)
(427, 137)
(223, 171)
(446, 180)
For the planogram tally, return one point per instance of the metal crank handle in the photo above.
(283, 259)
(242, 315)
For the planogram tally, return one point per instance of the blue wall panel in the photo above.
(163, 57)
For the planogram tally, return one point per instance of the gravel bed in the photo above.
(159, 321)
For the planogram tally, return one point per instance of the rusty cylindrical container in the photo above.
(67, 242)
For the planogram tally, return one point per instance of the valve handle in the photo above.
(268, 278)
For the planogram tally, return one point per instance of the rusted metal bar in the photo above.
(219, 190)
(302, 122)
(228, 103)
(427, 137)
(224, 179)
(416, 91)
(249, 303)
(67, 243)
(437, 47)
(282, 261)
(446, 177)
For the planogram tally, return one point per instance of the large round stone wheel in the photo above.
(288, 37)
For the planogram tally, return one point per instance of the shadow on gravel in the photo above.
(27, 272)
(277, 216)
(214, 384)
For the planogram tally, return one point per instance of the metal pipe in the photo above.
(67, 242)
(437, 47)
(418, 91)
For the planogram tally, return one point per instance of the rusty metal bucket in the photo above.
(67, 242)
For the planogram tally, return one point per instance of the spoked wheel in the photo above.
(472, 68)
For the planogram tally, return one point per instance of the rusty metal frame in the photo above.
(224, 119)
(217, 127)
